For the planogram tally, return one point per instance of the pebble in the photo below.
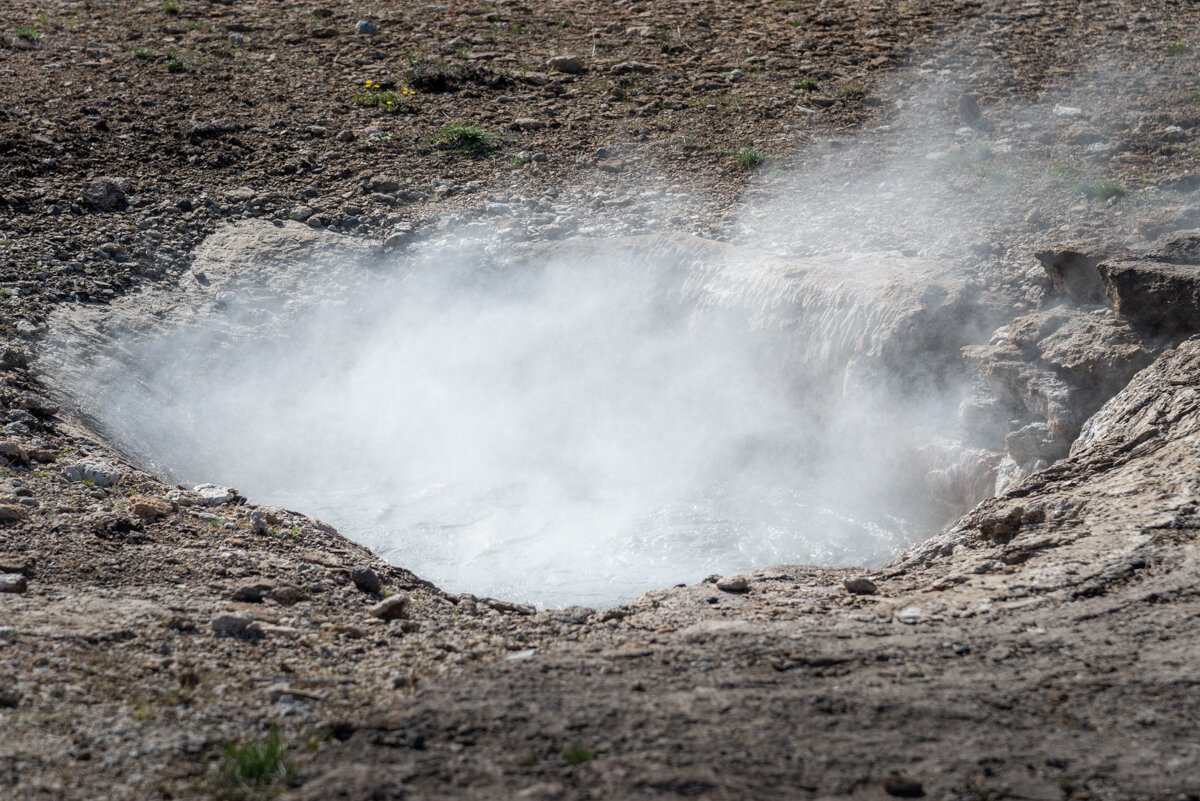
(365, 28)
(13, 453)
(1067, 111)
(366, 579)
(259, 523)
(626, 67)
(508, 606)
(146, 506)
(232, 624)
(97, 471)
(106, 193)
(13, 582)
(902, 787)
(250, 593)
(572, 65)
(859, 586)
(733, 585)
(212, 495)
(390, 608)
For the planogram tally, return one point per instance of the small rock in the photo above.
(366, 579)
(32, 402)
(300, 213)
(1067, 111)
(968, 109)
(390, 608)
(147, 506)
(903, 787)
(346, 136)
(97, 471)
(250, 593)
(528, 124)
(232, 624)
(10, 512)
(508, 606)
(383, 183)
(859, 586)
(610, 165)
(13, 582)
(236, 39)
(106, 193)
(212, 495)
(12, 453)
(572, 65)
(626, 67)
(733, 585)
(365, 28)
(287, 594)
(259, 523)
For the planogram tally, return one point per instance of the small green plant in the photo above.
(798, 22)
(195, 25)
(176, 63)
(750, 158)
(142, 52)
(852, 93)
(390, 100)
(29, 33)
(1179, 48)
(462, 52)
(170, 7)
(806, 85)
(466, 137)
(251, 769)
(690, 144)
(1099, 190)
(577, 754)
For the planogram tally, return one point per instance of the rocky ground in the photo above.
(152, 638)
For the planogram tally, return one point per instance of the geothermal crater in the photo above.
(569, 423)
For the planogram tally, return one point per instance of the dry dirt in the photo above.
(1045, 648)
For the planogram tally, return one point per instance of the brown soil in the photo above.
(1044, 649)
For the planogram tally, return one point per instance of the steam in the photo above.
(561, 429)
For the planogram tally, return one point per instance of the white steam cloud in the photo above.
(578, 429)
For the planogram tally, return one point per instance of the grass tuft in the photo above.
(1100, 190)
(577, 754)
(750, 158)
(252, 769)
(467, 137)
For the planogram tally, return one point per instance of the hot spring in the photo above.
(565, 424)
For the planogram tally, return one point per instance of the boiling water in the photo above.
(577, 434)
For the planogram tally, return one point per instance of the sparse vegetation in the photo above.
(390, 100)
(1099, 190)
(176, 63)
(577, 754)
(142, 53)
(750, 158)
(29, 33)
(170, 7)
(806, 85)
(252, 769)
(466, 137)
(1178, 48)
